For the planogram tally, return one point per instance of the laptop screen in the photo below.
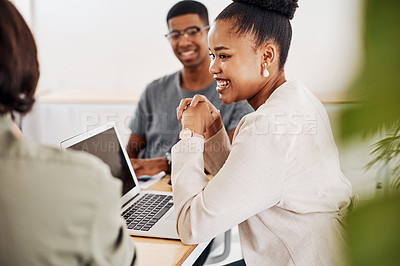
(105, 146)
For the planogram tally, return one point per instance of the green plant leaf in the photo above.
(379, 81)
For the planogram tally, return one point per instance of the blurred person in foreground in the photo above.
(57, 208)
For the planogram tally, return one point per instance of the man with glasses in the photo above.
(155, 128)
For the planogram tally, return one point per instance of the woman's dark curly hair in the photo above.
(266, 20)
(19, 67)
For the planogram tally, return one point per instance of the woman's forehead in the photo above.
(223, 33)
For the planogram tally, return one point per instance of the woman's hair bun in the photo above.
(283, 7)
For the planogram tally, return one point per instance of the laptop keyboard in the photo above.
(144, 213)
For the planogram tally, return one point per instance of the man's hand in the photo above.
(149, 166)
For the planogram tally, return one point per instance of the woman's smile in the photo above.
(222, 84)
(235, 64)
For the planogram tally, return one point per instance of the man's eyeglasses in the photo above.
(188, 32)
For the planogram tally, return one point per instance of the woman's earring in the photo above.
(265, 71)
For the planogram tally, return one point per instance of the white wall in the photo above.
(119, 44)
(326, 49)
(95, 44)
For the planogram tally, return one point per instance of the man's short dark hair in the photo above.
(188, 7)
(19, 67)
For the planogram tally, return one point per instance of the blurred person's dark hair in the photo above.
(266, 20)
(19, 67)
(188, 7)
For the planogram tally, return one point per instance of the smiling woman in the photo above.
(233, 62)
(267, 46)
(280, 181)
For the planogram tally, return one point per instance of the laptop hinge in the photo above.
(126, 203)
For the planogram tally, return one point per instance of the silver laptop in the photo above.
(147, 213)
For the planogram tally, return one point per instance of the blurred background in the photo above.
(120, 44)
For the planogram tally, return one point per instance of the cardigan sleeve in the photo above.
(216, 151)
(249, 182)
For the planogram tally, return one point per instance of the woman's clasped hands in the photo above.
(199, 115)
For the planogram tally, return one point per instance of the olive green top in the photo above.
(57, 207)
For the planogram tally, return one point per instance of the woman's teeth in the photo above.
(222, 83)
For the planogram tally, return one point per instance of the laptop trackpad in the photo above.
(172, 216)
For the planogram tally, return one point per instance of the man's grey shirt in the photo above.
(155, 116)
